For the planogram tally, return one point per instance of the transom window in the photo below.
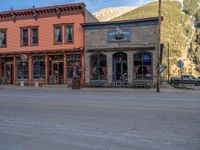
(3, 38)
(98, 67)
(143, 65)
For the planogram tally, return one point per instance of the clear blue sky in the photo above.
(92, 5)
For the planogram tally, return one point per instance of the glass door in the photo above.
(9, 73)
(57, 70)
(120, 69)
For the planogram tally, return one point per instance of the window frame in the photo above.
(31, 36)
(134, 74)
(5, 30)
(54, 27)
(38, 60)
(21, 37)
(18, 60)
(65, 34)
(98, 65)
(68, 67)
(29, 28)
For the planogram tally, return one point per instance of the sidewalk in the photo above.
(164, 88)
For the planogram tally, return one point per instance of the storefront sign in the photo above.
(119, 35)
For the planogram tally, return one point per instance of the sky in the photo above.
(92, 5)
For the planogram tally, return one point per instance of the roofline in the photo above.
(41, 8)
(121, 22)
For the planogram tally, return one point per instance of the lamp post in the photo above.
(158, 46)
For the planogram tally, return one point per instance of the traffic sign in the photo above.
(162, 68)
(180, 64)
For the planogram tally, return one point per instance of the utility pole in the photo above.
(158, 46)
(168, 62)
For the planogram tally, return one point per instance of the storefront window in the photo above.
(22, 69)
(143, 65)
(73, 66)
(39, 67)
(98, 67)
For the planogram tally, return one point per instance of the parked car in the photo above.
(185, 79)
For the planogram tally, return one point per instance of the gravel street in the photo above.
(99, 119)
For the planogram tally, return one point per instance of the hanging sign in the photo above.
(24, 57)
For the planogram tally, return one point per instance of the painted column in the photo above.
(30, 70)
(155, 60)
(109, 67)
(130, 68)
(87, 68)
(65, 68)
(14, 70)
(46, 69)
(0, 69)
(82, 67)
(4, 66)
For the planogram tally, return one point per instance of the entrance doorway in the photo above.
(57, 72)
(9, 73)
(120, 70)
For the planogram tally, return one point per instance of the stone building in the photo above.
(121, 53)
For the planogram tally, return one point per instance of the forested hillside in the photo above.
(178, 29)
(192, 9)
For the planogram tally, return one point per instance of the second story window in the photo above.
(24, 37)
(58, 34)
(69, 34)
(34, 36)
(3, 38)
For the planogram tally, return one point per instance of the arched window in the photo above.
(98, 67)
(120, 56)
(143, 65)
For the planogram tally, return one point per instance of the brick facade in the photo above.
(44, 19)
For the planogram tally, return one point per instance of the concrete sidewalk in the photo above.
(164, 88)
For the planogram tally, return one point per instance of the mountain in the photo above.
(107, 14)
(177, 29)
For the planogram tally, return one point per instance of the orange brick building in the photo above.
(42, 44)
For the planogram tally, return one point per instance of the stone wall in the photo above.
(140, 36)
